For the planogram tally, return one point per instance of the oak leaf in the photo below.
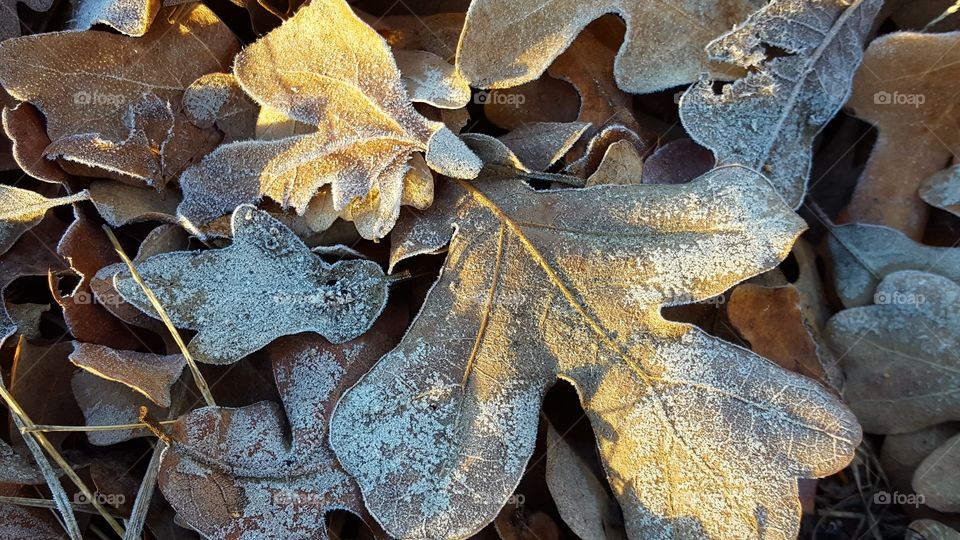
(898, 355)
(235, 472)
(131, 17)
(149, 374)
(10, 20)
(767, 120)
(267, 284)
(506, 43)
(438, 433)
(367, 128)
(906, 88)
(22, 209)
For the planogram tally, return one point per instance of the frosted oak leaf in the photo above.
(699, 438)
(267, 284)
(509, 42)
(768, 118)
(326, 68)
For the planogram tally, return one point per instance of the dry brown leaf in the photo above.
(367, 127)
(217, 99)
(235, 473)
(267, 284)
(543, 100)
(130, 17)
(438, 33)
(40, 382)
(906, 88)
(677, 162)
(591, 159)
(938, 477)
(539, 145)
(621, 164)
(942, 190)
(899, 355)
(25, 127)
(800, 59)
(22, 209)
(108, 403)
(580, 496)
(16, 469)
(438, 433)
(149, 374)
(79, 92)
(865, 254)
(506, 43)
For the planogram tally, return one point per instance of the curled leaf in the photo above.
(149, 374)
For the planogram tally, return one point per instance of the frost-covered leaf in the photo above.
(699, 438)
(18, 523)
(159, 145)
(942, 190)
(767, 120)
(22, 209)
(237, 473)
(16, 469)
(149, 374)
(24, 125)
(938, 477)
(80, 92)
(865, 254)
(508, 42)
(621, 164)
(428, 78)
(899, 355)
(367, 128)
(10, 20)
(217, 99)
(131, 17)
(539, 145)
(121, 204)
(267, 284)
(928, 529)
(109, 403)
(907, 89)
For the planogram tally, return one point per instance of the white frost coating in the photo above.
(449, 156)
(108, 403)
(131, 17)
(767, 120)
(860, 252)
(899, 356)
(267, 284)
(942, 190)
(428, 78)
(699, 438)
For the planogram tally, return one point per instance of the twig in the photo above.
(47, 428)
(197, 376)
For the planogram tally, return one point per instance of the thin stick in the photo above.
(22, 420)
(47, 428)
(197, 376)
(140, 507)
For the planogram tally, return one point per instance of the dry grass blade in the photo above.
(37, 439)
(197, 376)
(45, 428)
(140, 507)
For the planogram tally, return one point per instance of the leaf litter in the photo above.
(386, 233)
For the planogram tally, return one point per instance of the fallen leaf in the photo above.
(905, 88)
(120, 204)
(437, 33)
(108, 403)
(159, 145)
(942, 190)
(40, 382)
(367, 126)
(677, 162)
(865, 254)
(16, 469)
(80, 93)
(437, 434)
(428, 78)
(938, 477)
(621, 164)
(17, 523)
(130, 17)
(543, 100)
(508, 43)
(22, 209)
(592, 157)
(217, 99)
(149, 374)
(267, 284)
(767, 120)
(580, 496)
(25, 127)
(897, 355)
(539, 145)
(262, 471)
